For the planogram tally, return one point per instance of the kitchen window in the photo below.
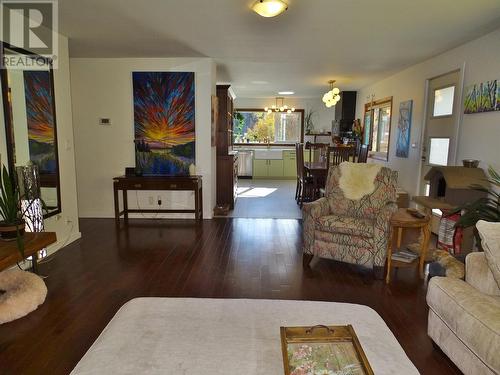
(255, 126)
(377, 129)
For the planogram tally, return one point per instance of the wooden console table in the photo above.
(170, 183)
(33, 242)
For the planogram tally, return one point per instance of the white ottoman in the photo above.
(227, 336)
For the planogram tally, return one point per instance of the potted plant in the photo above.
(11, 223)
(486, 208)
(308, 119)
(357, 129)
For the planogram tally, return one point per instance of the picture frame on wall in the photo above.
(404, 129)
(482, 97)
(164, 122)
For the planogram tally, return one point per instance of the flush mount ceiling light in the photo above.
(279, 106)
(269, 8)
(331, 97)
(286, 92)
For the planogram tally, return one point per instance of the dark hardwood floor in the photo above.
(224, 258)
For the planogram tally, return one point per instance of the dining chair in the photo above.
(363, 154)
(305, 183)
(317, 151)
(339, 154)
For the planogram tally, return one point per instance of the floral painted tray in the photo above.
(323, 350)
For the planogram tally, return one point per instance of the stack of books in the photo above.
(405, 256)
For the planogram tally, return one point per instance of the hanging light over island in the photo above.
(331, 97)
(279, 106)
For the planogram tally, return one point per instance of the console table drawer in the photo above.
(187, 184)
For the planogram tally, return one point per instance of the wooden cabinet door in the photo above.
(275, 168)
(289, 164)
(260, 168)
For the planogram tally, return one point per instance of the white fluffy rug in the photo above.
(24, 292)
(357, 179)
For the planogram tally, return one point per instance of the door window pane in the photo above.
(443, 101)
(438, 151)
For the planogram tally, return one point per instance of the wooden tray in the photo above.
(334, 348)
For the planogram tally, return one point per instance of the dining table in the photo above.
(318, 170)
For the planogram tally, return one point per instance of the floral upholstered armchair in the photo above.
(347, 230)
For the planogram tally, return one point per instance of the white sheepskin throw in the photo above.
(24, 292)
(357, 179)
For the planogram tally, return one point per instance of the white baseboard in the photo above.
(106, 215)
(52, 249)
(60, 243)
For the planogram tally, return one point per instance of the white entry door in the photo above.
(439, 145)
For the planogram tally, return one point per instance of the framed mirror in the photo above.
(30, 119)
(377, 129)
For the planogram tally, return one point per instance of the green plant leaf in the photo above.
(485, 208)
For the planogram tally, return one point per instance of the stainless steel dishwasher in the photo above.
(245, 163)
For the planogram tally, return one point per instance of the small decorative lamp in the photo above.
(28, 181)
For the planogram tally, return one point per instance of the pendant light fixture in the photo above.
(331, 97)
(279, 106)
(269, 8)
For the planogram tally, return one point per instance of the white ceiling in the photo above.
(352, 41)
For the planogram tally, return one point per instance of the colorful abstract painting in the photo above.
(40, 120)
(482, 97)
(404, 129)
(164, 122)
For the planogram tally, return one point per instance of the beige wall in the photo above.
(65, 224)
(103, 88)
(479, 134)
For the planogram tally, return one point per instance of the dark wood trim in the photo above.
(56, 146)
(274, 144)
(8, 120)
(7, 113)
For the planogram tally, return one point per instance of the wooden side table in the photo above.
(402, 219)
(33, 242)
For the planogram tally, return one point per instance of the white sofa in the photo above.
(464, 316)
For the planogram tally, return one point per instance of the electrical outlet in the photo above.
(151, 201)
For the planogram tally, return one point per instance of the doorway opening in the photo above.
(440, 134)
